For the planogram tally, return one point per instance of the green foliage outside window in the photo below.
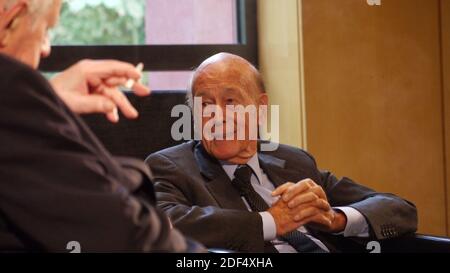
(101, 22)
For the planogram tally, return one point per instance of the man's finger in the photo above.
(322, 204)
(141, 90)
(295, 190)
(320, 219)
(281, 189)
(138, 88)
(306, 198)
(306, 213)
(121, 101)
(92, 104)
(113, 116)
(115, 81)
(109, 68)
(99, 71)
(319, 191)
(319, 203)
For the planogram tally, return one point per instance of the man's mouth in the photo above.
(219, 135)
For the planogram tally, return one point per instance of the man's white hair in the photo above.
(35, 7)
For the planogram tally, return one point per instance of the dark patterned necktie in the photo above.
(296, 239)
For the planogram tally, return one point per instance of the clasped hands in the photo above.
(304, 203)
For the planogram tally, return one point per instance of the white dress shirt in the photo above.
(356, 223)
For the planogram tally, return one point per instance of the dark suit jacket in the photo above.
(196, 193)
(58, 184)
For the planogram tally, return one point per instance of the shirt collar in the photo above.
(253, 163)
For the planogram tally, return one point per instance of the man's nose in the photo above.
(218, 115)
(46, 47)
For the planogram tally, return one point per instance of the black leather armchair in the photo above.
(416, 243)
(152, 132)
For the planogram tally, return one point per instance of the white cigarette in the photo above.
(131, 82)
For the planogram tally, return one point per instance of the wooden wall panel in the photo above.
(374, 97)
(445, 35)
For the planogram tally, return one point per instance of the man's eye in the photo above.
(230, 101)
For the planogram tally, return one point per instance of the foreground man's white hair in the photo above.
(36, 7)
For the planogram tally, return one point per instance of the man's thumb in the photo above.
(94, 104)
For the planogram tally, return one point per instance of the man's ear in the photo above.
(263, 99)
(9, 20)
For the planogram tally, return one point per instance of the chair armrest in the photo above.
(220, 251)
(416, 243)
(413, 243)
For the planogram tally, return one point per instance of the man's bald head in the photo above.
(226, 67)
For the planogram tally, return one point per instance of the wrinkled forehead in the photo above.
(217, 74)
(223, 71)
(220, 81)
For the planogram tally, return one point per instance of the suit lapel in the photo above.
(274, 168)
(218, 184)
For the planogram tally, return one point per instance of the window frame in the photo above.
(165, 57)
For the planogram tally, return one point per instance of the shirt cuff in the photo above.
(269, 227)
(356, 226)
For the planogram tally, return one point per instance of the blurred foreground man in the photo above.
(227, 192)
(58, 184)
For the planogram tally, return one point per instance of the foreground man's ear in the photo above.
(263, 99)
(9, 20)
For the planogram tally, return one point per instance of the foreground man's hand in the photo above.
(92, 87)
(306, 203)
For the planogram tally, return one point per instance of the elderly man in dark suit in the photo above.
(227, 192)
(60, 189)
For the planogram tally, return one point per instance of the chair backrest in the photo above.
(149, 133)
